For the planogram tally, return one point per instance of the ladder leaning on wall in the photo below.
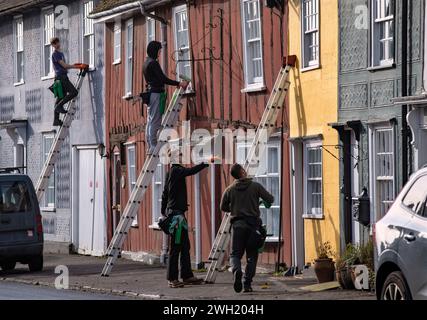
(63, 132)
(264, 131)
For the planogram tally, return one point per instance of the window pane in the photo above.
(416, 195)
(314, 180)
(182, 44)
(14, 197)
(253, 42)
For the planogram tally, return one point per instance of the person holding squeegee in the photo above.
(155, 97)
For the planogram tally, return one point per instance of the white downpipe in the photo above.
(293, 208)
(213, 205)
(197, 209)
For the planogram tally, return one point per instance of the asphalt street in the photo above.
(17, 291)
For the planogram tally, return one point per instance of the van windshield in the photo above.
(14, 197)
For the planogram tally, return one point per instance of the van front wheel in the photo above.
(36, 264)
(8, 266)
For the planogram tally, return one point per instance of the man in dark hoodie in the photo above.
(156, 81)
(174, 203)
(242, 200)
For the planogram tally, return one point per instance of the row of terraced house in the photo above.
(342, 130)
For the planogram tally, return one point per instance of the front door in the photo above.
(91, 224)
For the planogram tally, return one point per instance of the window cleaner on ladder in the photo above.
(155, 97)
(63, 89)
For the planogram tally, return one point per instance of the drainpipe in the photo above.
(213, 204)
(404, 70)
(197, 212)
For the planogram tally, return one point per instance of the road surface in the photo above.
(16, 291)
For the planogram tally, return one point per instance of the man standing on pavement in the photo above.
(174, 203)
(156, 81)
(242, 200)
(61, 74)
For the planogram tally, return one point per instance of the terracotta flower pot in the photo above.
(345, 278)
(325, 270)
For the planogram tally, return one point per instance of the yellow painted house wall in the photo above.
(313, 104)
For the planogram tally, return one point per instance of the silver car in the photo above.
(401, 244)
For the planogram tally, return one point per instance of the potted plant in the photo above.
(366, 258)
(324, 266)
(348, 259)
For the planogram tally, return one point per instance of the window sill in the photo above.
(92, 69)
(17, 84)
(254, 89)
(50, 77)
(189, 93)
(48, 209)
(379, 68)
(310, 68)
(117, 62)
(127, 96)
(135, 225)
(154, 227)
(273, 240)
(313, 216)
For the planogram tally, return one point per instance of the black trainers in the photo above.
(238, 286)
(248, 289)
(58, 123)
(60, 110)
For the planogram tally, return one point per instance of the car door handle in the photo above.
(410, 237)
(5, 221)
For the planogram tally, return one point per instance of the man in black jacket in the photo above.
(174, 203)
(156, 81)
(242, 200)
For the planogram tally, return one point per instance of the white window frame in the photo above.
(129, 59)
(18, 41)
(132, 173)
(310, 34)
(376, 178)
(150, 25)
(45, 152)
(158, 186)
(306, 146)
(253, 83)
(88, 35)
(380, 20)
(176, 11)
(48, 32)
(243, 147)
(117, 42)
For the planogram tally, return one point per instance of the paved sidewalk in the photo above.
(134, 279)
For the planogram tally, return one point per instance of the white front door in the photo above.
(90, 219)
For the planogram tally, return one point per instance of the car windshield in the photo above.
(14, 197)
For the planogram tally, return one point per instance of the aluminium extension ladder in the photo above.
(144, 180)
(55, 149)
(264, 131)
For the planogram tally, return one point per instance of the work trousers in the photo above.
(70, 92)
(154, 121)
(180, 253)
(241, 244)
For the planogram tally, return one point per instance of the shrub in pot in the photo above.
(324, 266)
(345, 263)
